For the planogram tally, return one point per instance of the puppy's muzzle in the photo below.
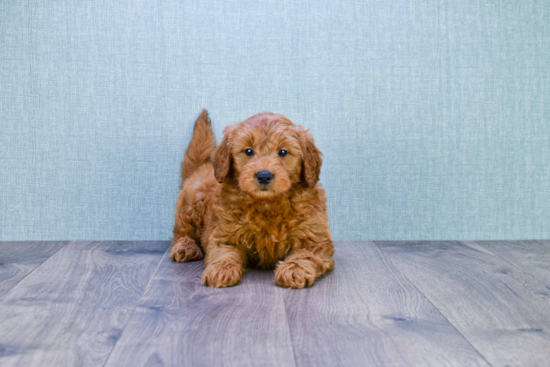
(264, 177)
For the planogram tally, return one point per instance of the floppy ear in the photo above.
(311, 160)
(221, 160)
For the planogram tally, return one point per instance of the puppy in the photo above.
(253, 201)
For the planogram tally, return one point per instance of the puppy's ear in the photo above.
(221, 158)
(311, 159)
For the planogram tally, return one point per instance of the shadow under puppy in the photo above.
(253, 201)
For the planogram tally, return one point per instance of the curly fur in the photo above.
(225, 214)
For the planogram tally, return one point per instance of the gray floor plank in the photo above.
(503, 311)
(531, 256)
(366, 313)
(180, 322)
(18, 259)
(71, 310)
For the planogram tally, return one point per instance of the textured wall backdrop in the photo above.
(433, 115)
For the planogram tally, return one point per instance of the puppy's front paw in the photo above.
(295, 274)
(222, 274)
(186, 249)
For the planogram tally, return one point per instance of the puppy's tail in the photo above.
(200, 148)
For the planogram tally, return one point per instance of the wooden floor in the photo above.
(384, 304)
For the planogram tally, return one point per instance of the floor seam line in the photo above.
(289, 331)
(509, 262)
(431, 303)
(33, 270)
(136, 306)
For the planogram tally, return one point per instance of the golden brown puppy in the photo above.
(253, 201)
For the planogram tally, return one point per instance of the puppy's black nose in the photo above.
(264, 177)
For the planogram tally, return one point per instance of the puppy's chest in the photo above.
(266, 236)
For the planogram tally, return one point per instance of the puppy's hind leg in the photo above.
(196, 172)
(186, 249)
(187, 228)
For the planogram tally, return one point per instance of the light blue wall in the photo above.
(434, 116)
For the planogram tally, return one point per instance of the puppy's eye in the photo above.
(249, 152)
(282, 153)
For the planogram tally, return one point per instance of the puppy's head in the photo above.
(266, 155)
